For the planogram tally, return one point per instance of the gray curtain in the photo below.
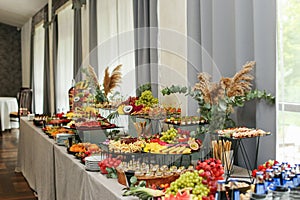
(194, 50)
(93, 51)
(146, 35)
(54, 52)
(77, 38)
(31, 65)
(228, 34)
(56, 4)
(46, 91)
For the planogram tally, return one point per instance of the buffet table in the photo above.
(55, 174)
(35, 159)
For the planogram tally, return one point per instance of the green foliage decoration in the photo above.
(218, 115)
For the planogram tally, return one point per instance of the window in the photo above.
(38, 63)
(64, 71)
(288, 82)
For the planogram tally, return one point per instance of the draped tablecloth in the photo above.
(35, 159)
(55, 174)
(74, 182)
(7, 105)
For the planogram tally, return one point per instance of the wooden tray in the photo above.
(150, 180)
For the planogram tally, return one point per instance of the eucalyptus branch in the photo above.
(175, 89)
(257, 94)
(143, 88)
(239, 101)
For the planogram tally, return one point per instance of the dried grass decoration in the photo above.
(91, 75)
(110, 82)
(216, 100)
(219, 98)
(239, 85)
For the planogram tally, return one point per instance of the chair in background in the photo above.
(24, 98)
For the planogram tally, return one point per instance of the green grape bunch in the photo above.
(169, 135)
(192, 181)
(146, 99)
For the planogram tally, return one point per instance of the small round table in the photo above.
(7, 105)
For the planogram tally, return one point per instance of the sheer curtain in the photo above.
(38, 63)
(115, 38)
(172, 55)
(64, 70)
(116, 41)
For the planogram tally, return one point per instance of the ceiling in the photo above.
(17, 12)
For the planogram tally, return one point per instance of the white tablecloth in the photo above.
(55, 174)
(7, 105)
(35, 159)
(74, 182)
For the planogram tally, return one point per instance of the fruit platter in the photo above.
(172, 182)
(141, 106)
(83, 150)
(52, 131)
(126, 145)
(57, 120)
(242, 132)
(93, 125)
(172, 111)
(96, 123)
(39, 120)
(185, 120)
(83, 147)
(172, 141)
